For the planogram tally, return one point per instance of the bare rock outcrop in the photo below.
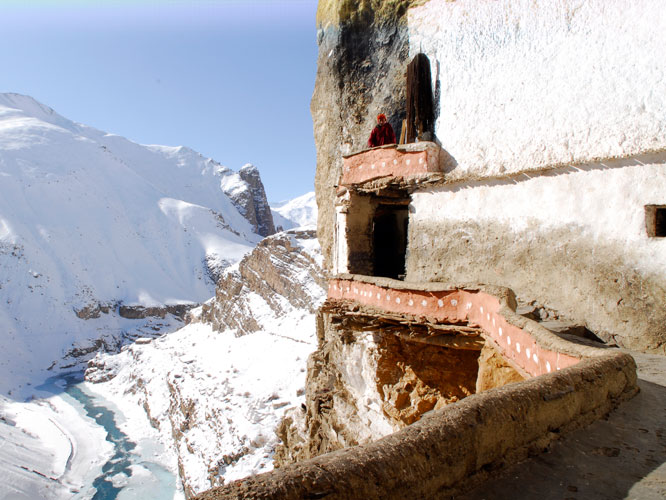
(280, 270)
(249, 197)
(364, 383)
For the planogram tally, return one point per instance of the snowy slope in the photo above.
(89, 219)
(299, 212)
(217, 395)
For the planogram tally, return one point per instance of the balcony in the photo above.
(405, 163)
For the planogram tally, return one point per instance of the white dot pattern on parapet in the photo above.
(528, 353)
(535, 358)
(424, 302)
(378, 296)
(408, 161)
(548, 366)
(372, 166)
(411, 302)
(383, 164)
(508, 340)
(395, 162)
(420, 161)
(440, 303)
(500, 331)
(518, 347)
(397, 300)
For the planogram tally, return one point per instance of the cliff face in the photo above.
(249, 197)
(281, 270)
(363, 50)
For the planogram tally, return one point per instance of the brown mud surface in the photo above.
(621, 457)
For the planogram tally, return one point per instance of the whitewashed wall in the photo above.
(576, 89)
(527, 84)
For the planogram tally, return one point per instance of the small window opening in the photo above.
(390, 241)
(655, 220)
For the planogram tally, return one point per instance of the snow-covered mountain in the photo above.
(98, 232)
(298, 212)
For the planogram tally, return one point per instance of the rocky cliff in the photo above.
(363, 56)
(249, 197)
(279, 271)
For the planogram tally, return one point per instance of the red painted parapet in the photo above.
(477, 308)
(411, 160)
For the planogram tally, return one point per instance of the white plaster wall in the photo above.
(341, 250)
(527, 84)
(359, 375)
(599, 202)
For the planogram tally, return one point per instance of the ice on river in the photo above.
(54, 446)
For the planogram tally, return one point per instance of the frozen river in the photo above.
(76, 448)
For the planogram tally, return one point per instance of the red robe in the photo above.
(381, 134)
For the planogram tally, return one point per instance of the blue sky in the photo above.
(230, 79)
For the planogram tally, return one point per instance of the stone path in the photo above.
(622, 457)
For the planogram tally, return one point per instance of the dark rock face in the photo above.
(280, 271)
(361, 71)
(259, 211)
(252, 203)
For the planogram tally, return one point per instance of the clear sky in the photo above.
(230, 79)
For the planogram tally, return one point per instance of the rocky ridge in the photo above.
(276, 270)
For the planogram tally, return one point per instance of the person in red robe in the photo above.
(382, 133)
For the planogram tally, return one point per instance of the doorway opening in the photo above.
(389, 240)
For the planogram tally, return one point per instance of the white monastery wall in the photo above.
(526, 85)
(555, 113)
(572, 238)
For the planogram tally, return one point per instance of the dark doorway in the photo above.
(389, 240)
(655, 220)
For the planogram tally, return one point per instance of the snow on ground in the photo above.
(90, 221)
(225, 394)
(48, 450)
(299, 212)
(217, 398)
